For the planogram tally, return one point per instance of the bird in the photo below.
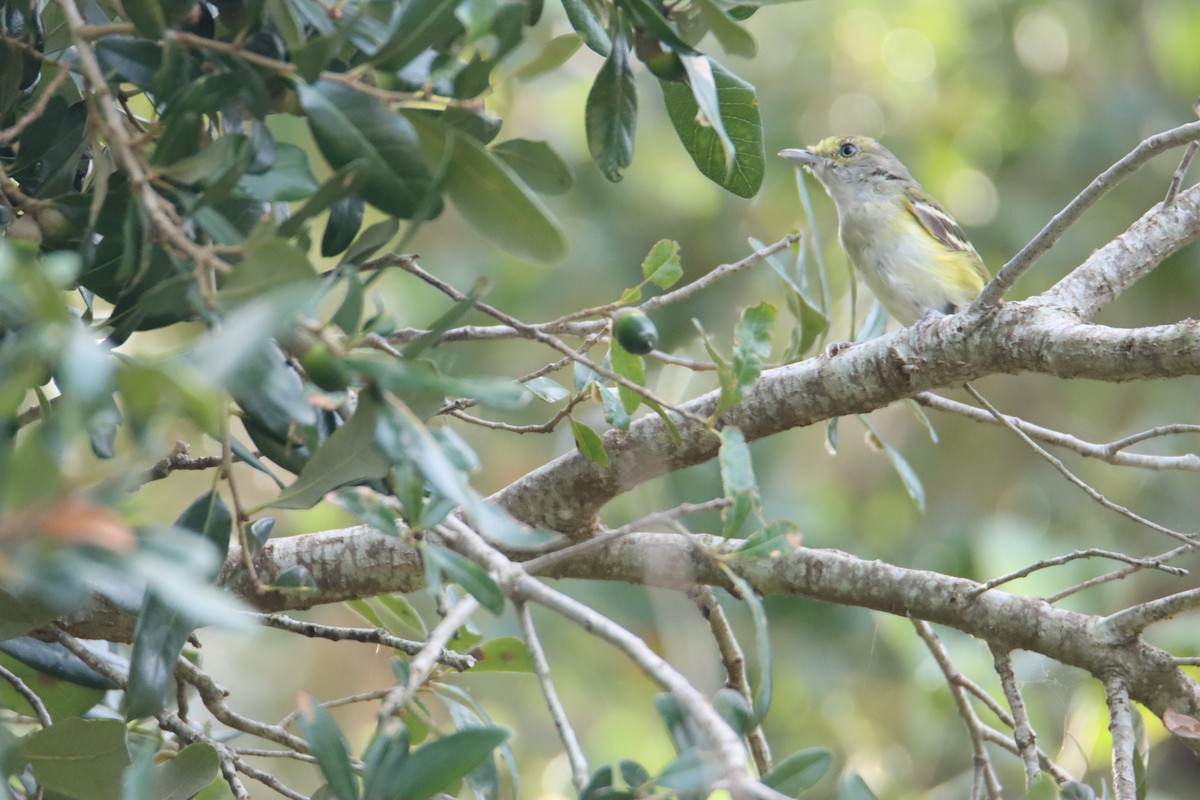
(912, 254)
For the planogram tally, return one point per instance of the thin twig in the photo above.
(30, 696)
(728, 751)
(1023, 732)
(983, 764)
(541, 667)
(213, 696)
(1126, 624)
(361, 697)
(533, 332)
(1058, 561)
(1085, 487)
(1120, 714)
(423, 663)
(1058, 225)
(541, 562)
(1111, 453)
(1180, 173)
(734, 661)
(1118, 574)
(457, 661)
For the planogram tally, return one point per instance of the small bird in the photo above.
(912, 254)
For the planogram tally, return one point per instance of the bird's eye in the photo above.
(847, 150)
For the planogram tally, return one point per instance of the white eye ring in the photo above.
(847, 150)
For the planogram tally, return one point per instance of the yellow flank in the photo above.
(911, 253)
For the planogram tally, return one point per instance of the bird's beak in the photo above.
(803, 158)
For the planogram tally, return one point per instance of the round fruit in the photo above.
(634, 331)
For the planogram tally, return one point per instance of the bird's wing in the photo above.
(942, 227)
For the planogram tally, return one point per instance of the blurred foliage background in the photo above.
(1004, 110)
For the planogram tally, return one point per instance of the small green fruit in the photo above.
(634, 331)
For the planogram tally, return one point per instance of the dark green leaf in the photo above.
(491, 197)
(130, 60)
(329, 747)
(420, 24)
(290, 178)
(737, 106)
(586, 22)
(611, 112)
(648, 16)
(633, 773)
(349, 126)
(799, 771)
(433, 767)
(345, 220)
(589, 443)
(342, 184)
(370, 240)
(600, 785)
(536, 163)
(162, 629)
(469, 575)
(79, 758)
(735, 39)
(54, 660)
(349, 455)
(268, 264)
(60, 698)
(191, 770)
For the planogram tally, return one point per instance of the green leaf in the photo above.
(661, 265)
(737, 477)
(147, 17)
(397, 608)
(420, 24)
(339, 186)
(467, 574)
(547, 389)
(614, 409)
(163, 628)
(53, 660)
(853, 787)
(627, 365)
(553, 55)
(737, 112)
(691, 771)
(752, 344)
(799, 771)
(60, 698)
(735, 39)
(734, 708)
(79, 758)
(417, 377)
(432, 768)
(329, 747)
(589, 443)
(536, 163)
(490, 196)
(191, 770)
(587, 24)
(610, 116)
(344, 222)
(502, 654)
(289, 178)
(348, 126)
(130, 59)
(908, 475)
(350, 454)
(268, 264)
(633, 773)
(772, 540)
